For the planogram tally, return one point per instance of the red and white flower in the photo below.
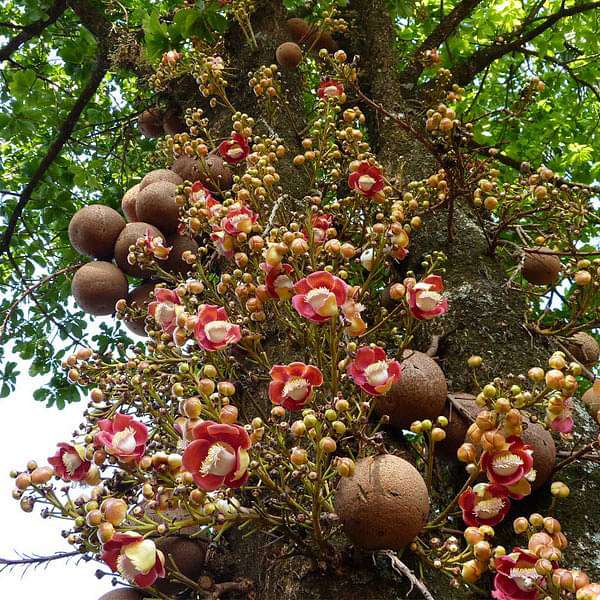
(238, 220)
(224, 244)
(292, 385)
(484, 504)
(516, 577)
(559, 415)
(320, 224)
(330, 88)
(136, 559)
(319, 296)
(213, 331)
(367, 179)
(70, 463)
(278, 281)
(235, 149)
(123, 437)
(171, 57)
(351, 310)
(201, 198)
(165, 309)
(509, 466)
(217, 456)
(425, 298)
(373, 371)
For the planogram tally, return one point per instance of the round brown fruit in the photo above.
(129, 237)
(420, 393)
(94, 229)
(215, 174)
(188, 556)
(187, 168)
(540, 268)
(457, 412)
(299, 30)
(179, 244)
(325, 41)
(544, 452)
(384, 505)
(160, 175)
(128, 203)
(97, 286)
(156, 204)
(591, 398)
(151, 123)
(173, 123)
(139, 297)
(289, 55)
(584, 348)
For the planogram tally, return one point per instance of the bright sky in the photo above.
(29, 430)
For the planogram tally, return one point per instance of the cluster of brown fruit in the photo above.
(302, 33)
(151, 208)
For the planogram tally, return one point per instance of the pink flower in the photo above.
(560, 418)
(171, 57)
(516, 577)
(70, 462)
(373, 371)
(213, 331)
(425, 298)
(320, 224)
(217, 456)
(484, 504)
(509, 466)
(319, 296)
(135, 558)
(367, 179)
(234, 150)
(201, 198)
(224, 244)
(124, 437)
(165, 309)
(292, 385)
(330, 89)
(238, 220)
(278, 281)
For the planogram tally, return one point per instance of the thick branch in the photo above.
(466, 70)
(55, 149)
(446, 27)
(33, 29)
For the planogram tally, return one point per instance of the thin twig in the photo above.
(402, 569)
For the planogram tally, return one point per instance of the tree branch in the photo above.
(55, 149)
(467, 69)
(33, 29)
(446, 27)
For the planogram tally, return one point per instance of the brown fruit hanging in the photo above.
(97, 286)
(187, 168)
(151, 123)
(156, 204)
(94, 229)
(384, 505)
(179, 244)
(420, 393)
(215, 174)
(540, 268)
(188, 556)
(160, 175)
(289, 55)
(129, 237)
(299, 30)
(128, 203)
(544, 452)
(584, 348)
(139, 297)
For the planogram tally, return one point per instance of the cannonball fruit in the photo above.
(384, 505)
(179, 244)
(585, 348)
(151, 123)
(540, 268)
(216, 175)
(122, 594)
(544, 452)
(97, 286)
(187, 168)
(128, 203)
(156, 204)
(299, 30)
(289, 55)
(94, 229)
(139, 297)
(420, 393)
(591, 398)
(457, 411)
(129, 237)
(188, 556)
(160, 175)
(173, 123)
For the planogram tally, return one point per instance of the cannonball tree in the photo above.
(326, 276)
